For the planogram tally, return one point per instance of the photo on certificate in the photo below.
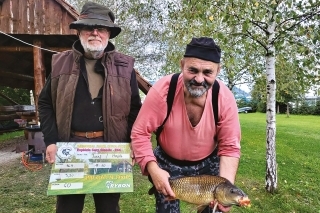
(85, 168)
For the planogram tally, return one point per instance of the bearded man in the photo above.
(192, 141)
(91, 95)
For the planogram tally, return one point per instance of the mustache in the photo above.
(203, 83)
(94, 38)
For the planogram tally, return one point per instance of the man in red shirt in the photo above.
(190, 143)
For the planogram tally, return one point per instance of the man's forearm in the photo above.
(229, 167)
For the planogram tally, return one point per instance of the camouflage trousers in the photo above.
(175, 168)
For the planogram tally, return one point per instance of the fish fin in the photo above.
(201, 208)
(152, 190)
(168, 198)
(176, 177)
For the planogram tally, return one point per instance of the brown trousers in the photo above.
(104, 202)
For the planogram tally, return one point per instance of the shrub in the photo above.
(317, 108)
(305, 109)
(261, 107)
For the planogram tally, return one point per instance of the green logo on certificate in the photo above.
(85, 168)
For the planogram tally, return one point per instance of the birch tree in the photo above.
(272, 24)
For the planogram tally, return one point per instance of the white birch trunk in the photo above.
(271, 173)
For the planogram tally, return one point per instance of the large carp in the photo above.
(204, 189)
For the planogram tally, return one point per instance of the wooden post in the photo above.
(39, 73)
(143, 84)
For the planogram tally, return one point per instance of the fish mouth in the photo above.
(244, 201)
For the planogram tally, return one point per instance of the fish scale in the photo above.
(196, 189)
(202, 190)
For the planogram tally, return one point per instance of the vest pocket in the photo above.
(121, 63)
(119, 60)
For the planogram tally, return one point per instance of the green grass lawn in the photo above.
(298, 160)
(6, 136)
(298, 157)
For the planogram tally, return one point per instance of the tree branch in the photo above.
(257, 40)
(256, 23)
(303, 17)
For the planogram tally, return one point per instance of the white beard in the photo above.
(93, 51)
(196, 93)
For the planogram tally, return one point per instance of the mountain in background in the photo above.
(240, 94)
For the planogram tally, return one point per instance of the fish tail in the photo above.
(152, 190)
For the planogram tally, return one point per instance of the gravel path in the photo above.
(8, 150)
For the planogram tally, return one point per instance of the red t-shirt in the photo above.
(179, 138)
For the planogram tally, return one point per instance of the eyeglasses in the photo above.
(92, 28)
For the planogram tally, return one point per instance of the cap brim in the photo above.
(115, 30)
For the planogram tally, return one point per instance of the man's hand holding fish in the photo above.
(160, 179)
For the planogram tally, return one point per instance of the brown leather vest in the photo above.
(116, 92)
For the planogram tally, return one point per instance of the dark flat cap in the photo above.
(203, 48)
(93, 14)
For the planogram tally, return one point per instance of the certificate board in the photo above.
(85, 168)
